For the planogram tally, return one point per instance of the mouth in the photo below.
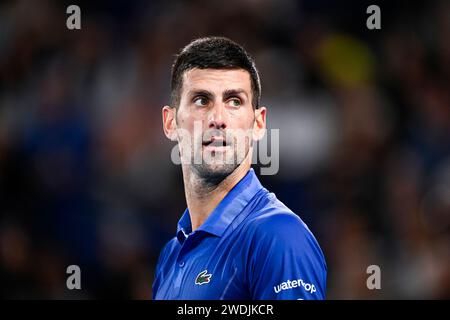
(215, 144)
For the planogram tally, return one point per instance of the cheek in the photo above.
(190, 129)
(193, 126)
(187, 120)
(243, 121)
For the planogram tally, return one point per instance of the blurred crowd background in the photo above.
(85, 170)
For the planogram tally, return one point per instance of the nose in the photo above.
(217, 117)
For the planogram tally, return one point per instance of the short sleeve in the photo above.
(159, 266)
(286, 262)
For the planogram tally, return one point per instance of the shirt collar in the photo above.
(226, 211)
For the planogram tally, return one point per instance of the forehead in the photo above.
(216, 79)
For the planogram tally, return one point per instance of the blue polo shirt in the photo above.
(251, 247)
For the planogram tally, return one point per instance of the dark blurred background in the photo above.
(85, 170)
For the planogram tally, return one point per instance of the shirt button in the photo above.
(181, 264)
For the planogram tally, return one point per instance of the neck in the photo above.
(203, 198)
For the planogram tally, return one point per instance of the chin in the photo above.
(214, 173)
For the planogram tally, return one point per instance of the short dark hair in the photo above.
(213, 53)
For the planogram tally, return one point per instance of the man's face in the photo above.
(215, 121)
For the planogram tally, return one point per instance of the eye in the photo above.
(234, 102)
(200, 101)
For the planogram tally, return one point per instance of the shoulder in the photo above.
(281, 246)
(275, 226)
(275, 219)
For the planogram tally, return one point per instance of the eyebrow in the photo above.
(200, 92)
(233, 92)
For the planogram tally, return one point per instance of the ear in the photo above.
(259, 127)
(169, 122)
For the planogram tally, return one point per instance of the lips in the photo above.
(215, 142)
